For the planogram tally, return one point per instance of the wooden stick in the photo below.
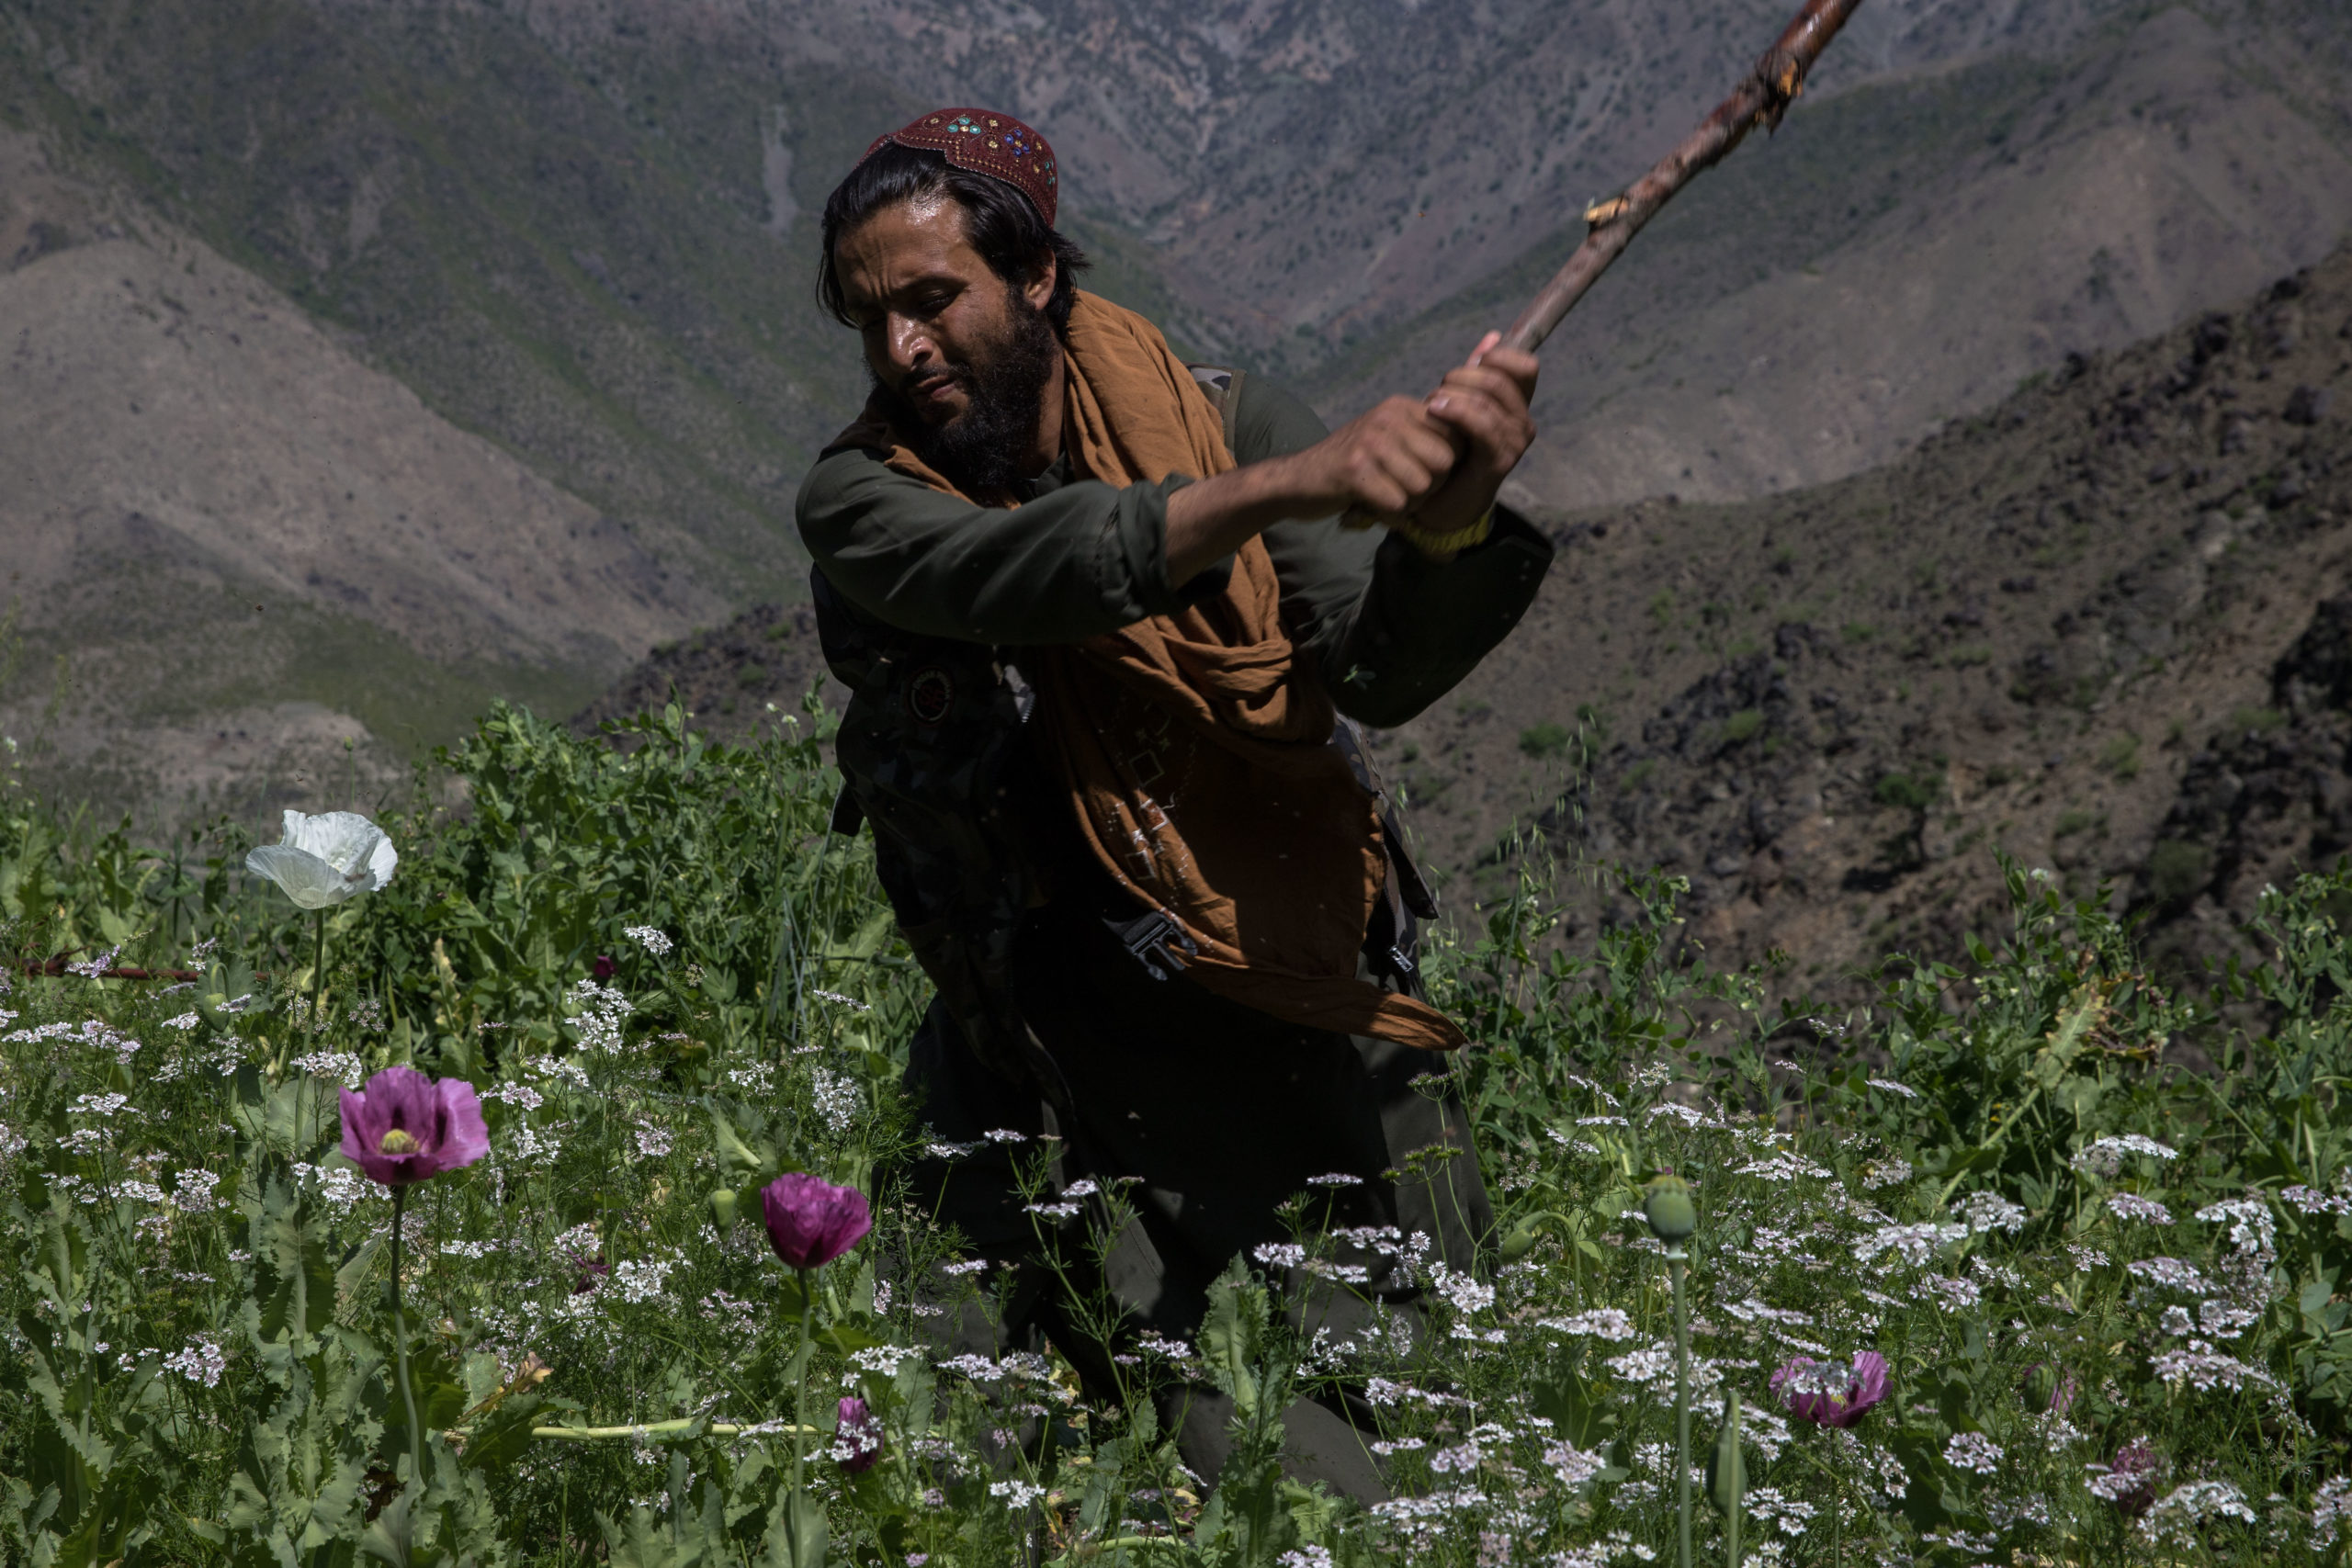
(1762, 99)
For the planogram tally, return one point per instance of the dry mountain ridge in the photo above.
(583, 226)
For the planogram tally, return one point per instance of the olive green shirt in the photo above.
(1390, 630)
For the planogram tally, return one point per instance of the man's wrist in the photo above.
(1444, 544)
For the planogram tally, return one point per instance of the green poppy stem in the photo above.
(318, 972)
(1674, 1263)
(399, 1346)
(800, 1396)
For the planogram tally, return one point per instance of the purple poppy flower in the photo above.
(858, 1443)
(1828, 1394)
(587, 1273)
(2129, 1482)
(405, 1127)
(603, 968)
(812, 1222)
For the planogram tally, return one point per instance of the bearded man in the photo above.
(1105, 639)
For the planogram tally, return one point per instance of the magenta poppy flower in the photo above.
(2130, 1482)
(1828, 1394)
(587, 1273)
(812, 1222)
(858, 1443)
(405, 1127)
(603, 968)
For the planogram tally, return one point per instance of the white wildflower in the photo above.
(2253, 1227)
(1889, 1170)
(201, 1361)
(192, 1191)
(649, 937)
(1602, 1323)
(1988, 1210)
(2131, 1206)
(2203, 1368)
(2171, 1274)
(2105, 1156)
(837, 1099)
(338, 1067)
(1913, 1245)
(1973, 1452)
(2177, 1513)
(2330, 1505)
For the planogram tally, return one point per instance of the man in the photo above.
(1104, 638)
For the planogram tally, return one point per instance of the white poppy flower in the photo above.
(324, 860)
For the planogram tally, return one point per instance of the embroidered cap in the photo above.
(987, 144)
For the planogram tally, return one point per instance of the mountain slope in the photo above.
(214, 511)
(1829, 708)
(583, 226)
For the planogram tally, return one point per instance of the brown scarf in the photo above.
(1196, 745)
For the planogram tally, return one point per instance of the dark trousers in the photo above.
(1223, 1113)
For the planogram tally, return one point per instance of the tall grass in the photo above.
(2080, 1217)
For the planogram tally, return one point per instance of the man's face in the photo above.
(935, 316)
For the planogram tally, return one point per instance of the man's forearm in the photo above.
(1210, 518)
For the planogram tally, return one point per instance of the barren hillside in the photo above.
(232, 545)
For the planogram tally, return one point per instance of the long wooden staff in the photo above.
(1760, 100)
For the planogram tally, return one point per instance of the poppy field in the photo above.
(526, 1189)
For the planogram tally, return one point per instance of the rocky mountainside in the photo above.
(2104, 629)
(2099, 629)
(582, 228)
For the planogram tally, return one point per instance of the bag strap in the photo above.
(1223, 386)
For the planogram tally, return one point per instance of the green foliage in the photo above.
(2177, 870)
(1546, 739)
(1909, 791)
(2000, 1177)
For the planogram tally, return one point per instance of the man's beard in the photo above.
(985, 448)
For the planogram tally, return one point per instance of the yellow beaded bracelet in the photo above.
(1448, 544)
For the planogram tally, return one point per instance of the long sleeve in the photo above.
(1083, 560)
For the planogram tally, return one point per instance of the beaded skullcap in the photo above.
(984, 143)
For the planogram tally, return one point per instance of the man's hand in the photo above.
(1483, 405)
(1438, 459)
(1389, 459)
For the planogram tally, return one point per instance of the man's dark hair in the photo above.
(1003, 225)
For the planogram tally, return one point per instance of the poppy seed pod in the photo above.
(722, 1208)
(1666, 1204)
